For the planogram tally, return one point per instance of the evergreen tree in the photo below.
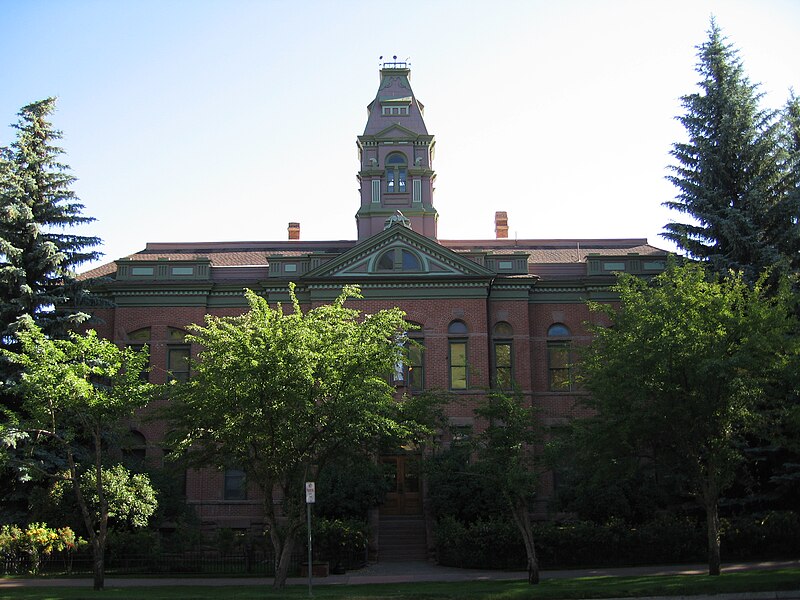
(732, 172)
(38, 256)
(787, 227)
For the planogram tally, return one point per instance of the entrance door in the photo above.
(404, 496)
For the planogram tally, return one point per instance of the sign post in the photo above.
(310, 499)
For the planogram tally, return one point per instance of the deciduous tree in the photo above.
(506, 458)
(278, 394)
(683, 375)
(75, 393)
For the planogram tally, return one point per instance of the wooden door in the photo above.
(405, 495)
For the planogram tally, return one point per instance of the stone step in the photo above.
(402, 539)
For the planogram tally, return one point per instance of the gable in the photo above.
(399, 252)
(396, 131)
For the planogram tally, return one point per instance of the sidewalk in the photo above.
(405, 572)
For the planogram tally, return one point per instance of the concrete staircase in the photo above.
(402, 538)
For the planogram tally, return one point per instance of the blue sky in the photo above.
(225, 120)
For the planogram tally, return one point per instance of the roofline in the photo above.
(300, 244)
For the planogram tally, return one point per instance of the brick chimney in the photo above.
(294, 231)
(501, 224)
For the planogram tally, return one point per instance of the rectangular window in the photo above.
(141, 270)
(503, 377)
(654, 265)
(235, 485)
(390, 181)
(145, 374)
(559, 365)
(417, 193)
(290, 268)
(178, 363)
(401, 180)
(183, 270)
(458, 365)
(613, 266)
(415, 370)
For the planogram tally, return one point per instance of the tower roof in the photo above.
(395, 102)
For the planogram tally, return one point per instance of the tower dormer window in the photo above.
(396, 169)
(394, 111)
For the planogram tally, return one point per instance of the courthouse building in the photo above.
(490, 312)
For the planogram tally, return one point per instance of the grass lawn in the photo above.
(588, 587)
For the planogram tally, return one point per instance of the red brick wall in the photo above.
(529, 322)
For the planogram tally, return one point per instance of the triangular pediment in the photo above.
(399, 252)
(395, 131)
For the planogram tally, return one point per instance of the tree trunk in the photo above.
(712, 522)
(282, 569)
(710, 500)
(521, 517)
(98, 563)
(283, 542)
(97, 531)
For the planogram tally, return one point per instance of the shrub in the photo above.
(36, 541)
(774, 534)
(343, 542)
(492, 543)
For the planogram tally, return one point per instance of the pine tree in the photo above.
(38, 256)
(731, 173)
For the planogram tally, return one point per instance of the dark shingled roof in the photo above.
(546, 257)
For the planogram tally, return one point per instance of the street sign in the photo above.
(310, 492)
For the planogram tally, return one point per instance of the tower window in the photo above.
(395, 110)
(396, 164)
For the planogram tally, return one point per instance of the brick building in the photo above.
(490, 311)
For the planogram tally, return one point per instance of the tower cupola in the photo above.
(396, 155)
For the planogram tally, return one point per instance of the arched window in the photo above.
(503, 361)
(139, 336)
(135, 447)
(457, 355)
(396, 165)
(559, 358)
(398, 259)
